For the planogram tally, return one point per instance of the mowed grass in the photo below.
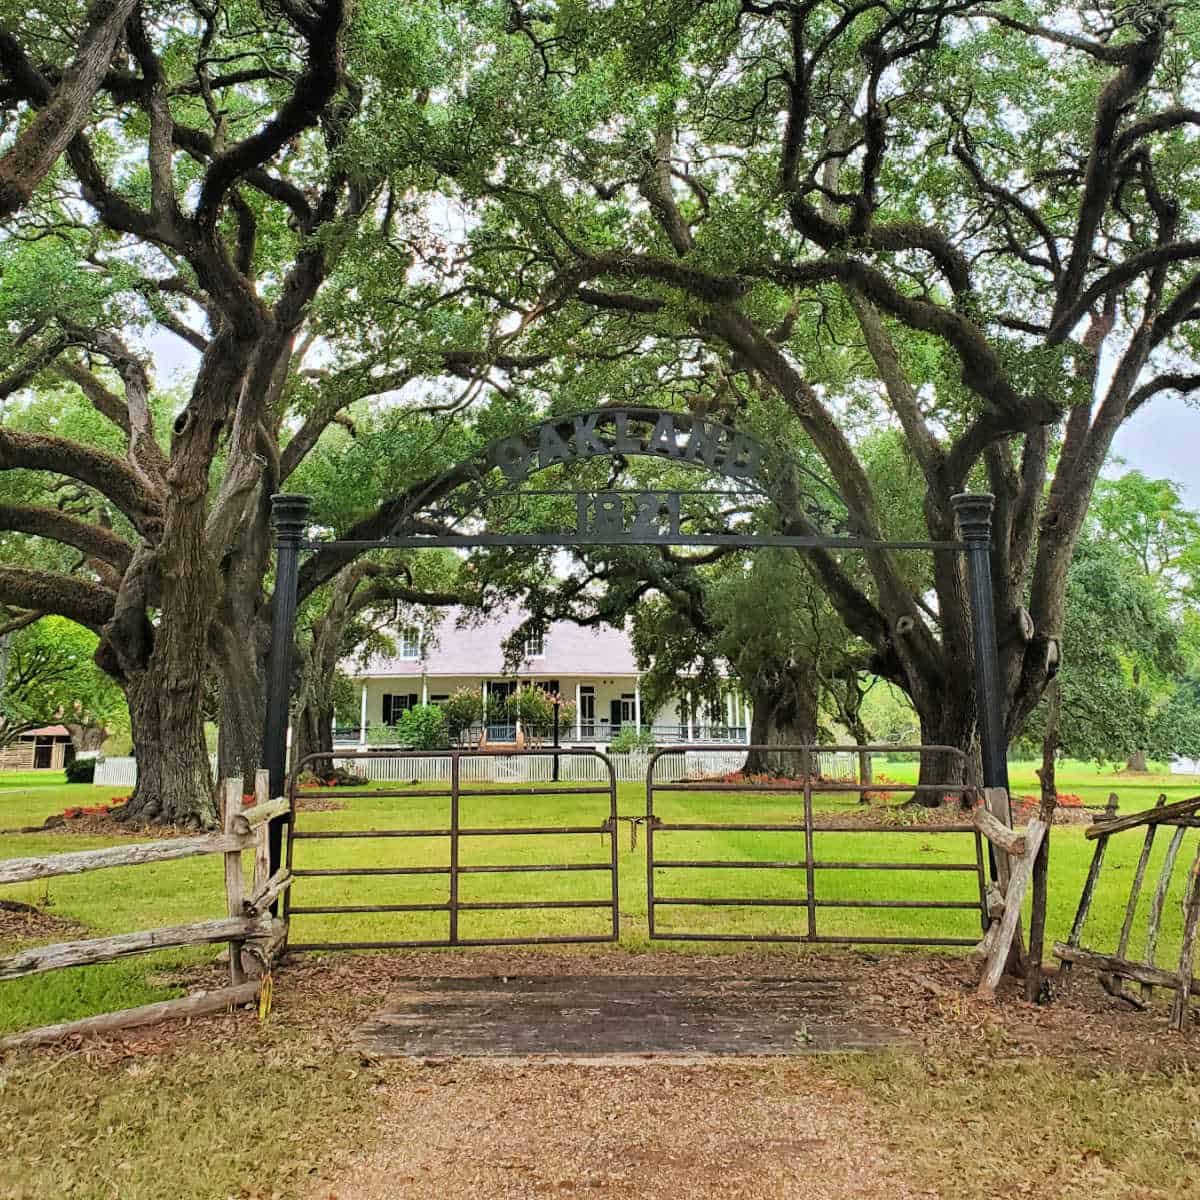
(243, 1121)
(144, 897)
(262, 1117)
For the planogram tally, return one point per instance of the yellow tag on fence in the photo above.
(264, 998)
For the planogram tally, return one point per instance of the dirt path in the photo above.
(752, 1129)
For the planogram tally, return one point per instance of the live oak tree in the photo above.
(992, 205)
(60, 102)
(246, 179)
(996, 202)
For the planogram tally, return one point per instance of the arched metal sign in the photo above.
(475, 503)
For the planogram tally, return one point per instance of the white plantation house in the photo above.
(594, 669)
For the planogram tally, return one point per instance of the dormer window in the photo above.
(535, 645)
(410, 643)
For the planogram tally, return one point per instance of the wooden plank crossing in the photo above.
(619, 1017)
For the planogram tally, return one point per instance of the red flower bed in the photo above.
(93, 810)
(1065, 800)
(762, 777)
(879, 797)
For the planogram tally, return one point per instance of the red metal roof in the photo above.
(47, 731)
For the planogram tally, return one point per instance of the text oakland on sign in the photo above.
(674, 436)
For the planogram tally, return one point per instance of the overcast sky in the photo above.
(1163, 441)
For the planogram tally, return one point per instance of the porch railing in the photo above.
(591, 732)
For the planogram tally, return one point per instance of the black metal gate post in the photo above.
(288, 514)
(974, 512)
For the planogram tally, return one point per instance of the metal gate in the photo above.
(804, 865)
(451, 834)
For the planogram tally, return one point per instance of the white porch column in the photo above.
(578, 712)
(689, 717)
(637, 702)
(730, 710)
(424, 690)
(362, 719)
(485, 715)
(746, 717)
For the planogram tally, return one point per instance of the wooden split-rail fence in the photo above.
(1118, 968)
(249, 928)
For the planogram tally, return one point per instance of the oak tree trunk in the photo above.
(313, 733)
(951, 725)
(240, 642)
(784, 713)
(163, 663)
(174, 783)
(242, 704)
(86, 738)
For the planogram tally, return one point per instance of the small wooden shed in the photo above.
(45, 749)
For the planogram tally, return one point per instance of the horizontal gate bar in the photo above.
(373, 871)
(670, 827)
(791, 866)
(317, 835)
(369, 908)
(486, 831)
(574, 538)
(802, 902)
(792, 827)
(537, 789)
(566, 940)
(386, 795)
(898, 941)
(849, 828)
(815, 940)
(818, 787)
(878, 866)
(440, 944)
(488, 906)
(446, 944)
(535, 867)
(973, 905)
(659, 936)
(502, 905)
(816, 866)
(497, 831)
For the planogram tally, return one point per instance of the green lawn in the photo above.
(143, 897)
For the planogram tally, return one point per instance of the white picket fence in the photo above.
(122, 772)
(630, 767)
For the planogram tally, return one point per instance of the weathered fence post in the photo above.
(235, 891)
(262, 835)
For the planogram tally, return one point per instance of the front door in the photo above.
(614, 712)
